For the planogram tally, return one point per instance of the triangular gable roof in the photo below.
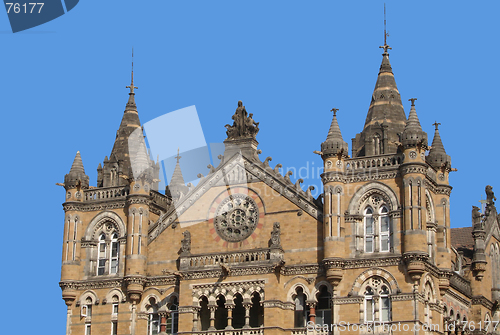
(230, 173)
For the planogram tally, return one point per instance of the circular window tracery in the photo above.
(236, 218)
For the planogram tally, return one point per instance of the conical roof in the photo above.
(129, 142)
(385, 119)
(437, 155)
(77, 167)
(386, 101)
(334, 142)
(177, 183)
(413, 133)
(76, 176)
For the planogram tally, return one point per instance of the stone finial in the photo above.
(385, 47)
(490, 196)
(476, 218)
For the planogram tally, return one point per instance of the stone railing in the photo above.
(159, 199)
(97, 194)
(382, 161)
(305, 331)
(250, 331)
(461, 284)
(208, 261)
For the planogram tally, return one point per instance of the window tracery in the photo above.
(377, 303)
(377, 226)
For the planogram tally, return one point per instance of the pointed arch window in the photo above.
(153, 318)
(101, 261)
(114, 253)
(385, 305)
(173, 319)
(369, 305)
(377, 229)
(369, 229)
(108, 252)
(377, 300)
(324, 307)
(300, 308)
(385, 230)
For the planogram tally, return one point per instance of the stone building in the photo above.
(248, 251)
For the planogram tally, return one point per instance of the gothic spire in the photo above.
(437, 157)
(119, 164)
(385, 119)
(413, 133)
(334, 142)
(177, 184)
(76, 176)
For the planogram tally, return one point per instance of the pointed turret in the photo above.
(129, 157)
(413, 134)
(177, 185)
(76, 176)
(386, 118)
(437, 157)
(334, 143)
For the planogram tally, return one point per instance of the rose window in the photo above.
(236, 218)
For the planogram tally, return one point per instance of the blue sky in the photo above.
(63, 89)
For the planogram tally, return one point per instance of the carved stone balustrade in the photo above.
(236, 258)
(251, 331)
(106, 193)
(381, 161)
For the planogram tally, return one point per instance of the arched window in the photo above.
(173, 319)
(87, 313)
(114, 254)
(384, 229)
(108, 252)
(221, 313)
(377, 227)
(369, 305)
(101, 262)
(300, 308)
(204, 314)
(369, 230)
(153, 318)
(256, 312)
(385, 305)
(238, 312)
(376, 293)
(324, 307)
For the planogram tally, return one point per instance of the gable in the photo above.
(237, 172)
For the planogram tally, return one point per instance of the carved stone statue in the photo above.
(476, 217)
(490, 196)
(186, 243)
(243, 126)
(276, 236)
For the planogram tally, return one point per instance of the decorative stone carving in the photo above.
(186, 243)
(276, 236)
(236, 218)
(476, 218)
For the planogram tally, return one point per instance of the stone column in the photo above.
(229, 316)
(247, 306)
(196, 311)
(68, 319)
(312, 311)
(212, 316)
(163, 313)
